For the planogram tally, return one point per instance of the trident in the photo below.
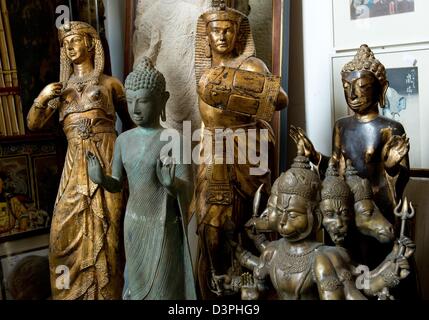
(405, 213)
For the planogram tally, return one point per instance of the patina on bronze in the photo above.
(158, 262)
(236, 91)
(86, 225)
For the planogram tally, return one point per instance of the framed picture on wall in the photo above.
(408, 75)
(379, 23)
(15, 175)
(29, 178)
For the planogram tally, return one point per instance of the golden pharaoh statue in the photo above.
(238, 93)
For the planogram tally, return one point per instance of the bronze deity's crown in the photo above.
(334, 186)
(361, 188)
(300, 180)
(76, 28)
(222, 13)
(364, 60)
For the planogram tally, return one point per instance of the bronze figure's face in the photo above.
(76, 48)
(371, 222)
(293, 218)
(144, 106)
(336, 219)
(222, 36)
(361, 89)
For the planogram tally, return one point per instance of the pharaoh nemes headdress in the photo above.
(365, 60)
(334, 186)
(80, 28)
(245, 45)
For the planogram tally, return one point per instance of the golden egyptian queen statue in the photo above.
(86, 226)
(237, 94)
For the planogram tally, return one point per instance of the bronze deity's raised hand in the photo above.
(95, 171)
(395, 149)
(166, 171)
(302, 141)
(50, 92)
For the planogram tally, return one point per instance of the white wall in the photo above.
(311, 49)
(318, 49)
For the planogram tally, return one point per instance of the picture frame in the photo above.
(14, 255)
(381, 29)
(31, 174)
(399, 64)
(18, 175)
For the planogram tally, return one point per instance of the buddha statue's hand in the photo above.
(249, 289)
(166, 171)
(304, 143)
(50, 92)
(95, 171)
(395, 149)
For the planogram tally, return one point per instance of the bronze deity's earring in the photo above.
(163, 115)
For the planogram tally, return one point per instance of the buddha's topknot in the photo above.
(365, 60)
(145, 76)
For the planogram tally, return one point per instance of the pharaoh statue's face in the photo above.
(222, 36)
(76, 48)
(362, 90)
(144, 106)
(335, 219)
(293, 218)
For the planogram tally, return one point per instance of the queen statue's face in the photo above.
(361, 89)
(76, 48)
(222, 36)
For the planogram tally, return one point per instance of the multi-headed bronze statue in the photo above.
(376, 145)
(158, 264)
(298, 266)
(238, 92)
(86, 225)
(337, 218)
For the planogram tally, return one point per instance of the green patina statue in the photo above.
(158, 262)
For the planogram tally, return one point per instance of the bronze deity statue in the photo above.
(158, 263)
(86, 225)
(377, 146)
(336, 207)
(236, 92)
(299, 267)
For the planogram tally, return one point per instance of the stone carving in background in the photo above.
(165, 33)
(165, 30)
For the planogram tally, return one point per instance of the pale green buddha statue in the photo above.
(158, 263)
